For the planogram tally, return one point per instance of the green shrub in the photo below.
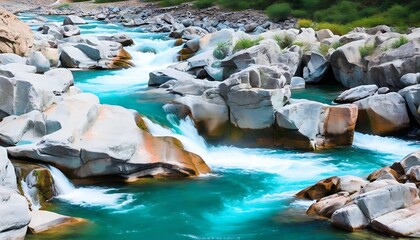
(300, 44)
(398, 43)
(366, 50)
(246, 43)
(305, 23)
(221, 51)
(283, 41)
(279, 11)
(339, 29)
(203, 3)
(336, 45)
(324, 48)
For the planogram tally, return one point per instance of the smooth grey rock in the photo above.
(413, 159)
(323, 34)
(73, 20)
(388, 199)
(316, 68)
(157, 78)
(351, 184)
(38, 60)
(411, 95)
(70, 30)
(356, 93)
(350, 218)
(7, 171)
(6, 58)
(297, 83)
(382, 114)
(410, 79)
(400, 223)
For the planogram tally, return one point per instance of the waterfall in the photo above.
(61, 183)
(87, 196)
(189, 136)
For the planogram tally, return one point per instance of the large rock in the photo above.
(14, 210)
(209, 112)
(411, 95)
(350, 218)
(266, 53)
(321, 189)
(123, 39)
(7, 172)
(39, 61)
(382, 114)
(16, 36)
(312, 125)
(86, 139)
(15, 214)
(24, 91)
(400, 223)
(44, 220)
(410, 79)
(316, 68)
(326, 206)
(73, 20)
(89, 52)
(70, 30)
(160, 77)
(410, 161)
(247, 103)
(383, 69)
(356, 93)
(388, 199)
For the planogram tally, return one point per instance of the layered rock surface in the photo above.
(85, 139)
(388, 204)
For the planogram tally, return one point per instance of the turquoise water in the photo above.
(249, 194)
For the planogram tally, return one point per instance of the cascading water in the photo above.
(61, 183)
(86, 196)
(31, 193)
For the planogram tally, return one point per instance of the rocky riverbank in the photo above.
(235, 80)
(387, 202)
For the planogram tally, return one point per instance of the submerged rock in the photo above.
(44, 220)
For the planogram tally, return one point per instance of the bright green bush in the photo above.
(339, 29)
(366, 50)
(246, 43)
(283, 41)
(324, 48)
(336, 45)
(221, 51)
(398, 43)
(305, 23)
(279, 11)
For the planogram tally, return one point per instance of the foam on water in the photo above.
(224, 157)
(88, 196)
(388, 145)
